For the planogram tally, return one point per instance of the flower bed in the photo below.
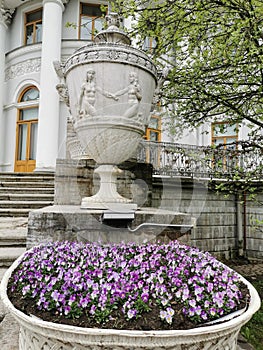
(125, 286)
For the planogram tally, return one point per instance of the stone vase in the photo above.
(36, 334)
(110, 86)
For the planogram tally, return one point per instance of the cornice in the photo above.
(58, 2)
(14, 3)
(22, 51)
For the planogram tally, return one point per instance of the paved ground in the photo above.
(9, 330)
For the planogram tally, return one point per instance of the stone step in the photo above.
(28, 184)
(26, 196)
(13, 237)
(25, 204)
(13, 224)
(22, 192)
(14, 212)
(46, 190)
(21, 176)
(9, 255)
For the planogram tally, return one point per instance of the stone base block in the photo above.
(69, 222)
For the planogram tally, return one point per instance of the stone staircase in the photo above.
(13, 233)
(19, 194)
(22, 192)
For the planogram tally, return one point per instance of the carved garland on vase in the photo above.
(110, 53)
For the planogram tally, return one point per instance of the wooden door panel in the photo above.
(26, 146)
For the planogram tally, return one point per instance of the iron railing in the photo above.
(173, 159)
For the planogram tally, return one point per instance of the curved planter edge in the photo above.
(37, 331)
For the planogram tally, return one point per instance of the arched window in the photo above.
(27, 123)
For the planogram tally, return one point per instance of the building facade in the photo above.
(34, 127)
(33, 118)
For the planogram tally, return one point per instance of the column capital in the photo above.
(58, 2)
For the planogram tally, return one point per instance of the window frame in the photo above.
(34, 23)
(226, 159)
(29, 125)
(93, 18)
(223, 137)
(157, 131)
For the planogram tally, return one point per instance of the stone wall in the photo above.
(223, 227)
(215, 229)
(254, 227)
(69, 222)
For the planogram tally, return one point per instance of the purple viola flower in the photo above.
(26, 289)
(192, 302)
(131, 313)
(212, 311)
(145, 297)
(67, 310)
(163, 314)
(218, 299)
(96, 276)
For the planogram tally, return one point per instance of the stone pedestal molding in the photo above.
(36, 334)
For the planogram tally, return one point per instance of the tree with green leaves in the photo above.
(212, 52)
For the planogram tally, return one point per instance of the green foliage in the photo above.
(253, 330)
(211, 55)
(214, 52)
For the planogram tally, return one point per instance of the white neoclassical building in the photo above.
(34, 34)
(33, 118)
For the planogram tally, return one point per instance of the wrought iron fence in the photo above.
(172, 159)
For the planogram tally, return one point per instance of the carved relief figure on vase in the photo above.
(87, 97)
(134, 96)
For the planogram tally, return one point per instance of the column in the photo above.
(48, 124)
(5, 17)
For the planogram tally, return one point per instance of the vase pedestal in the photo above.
(108, 197)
